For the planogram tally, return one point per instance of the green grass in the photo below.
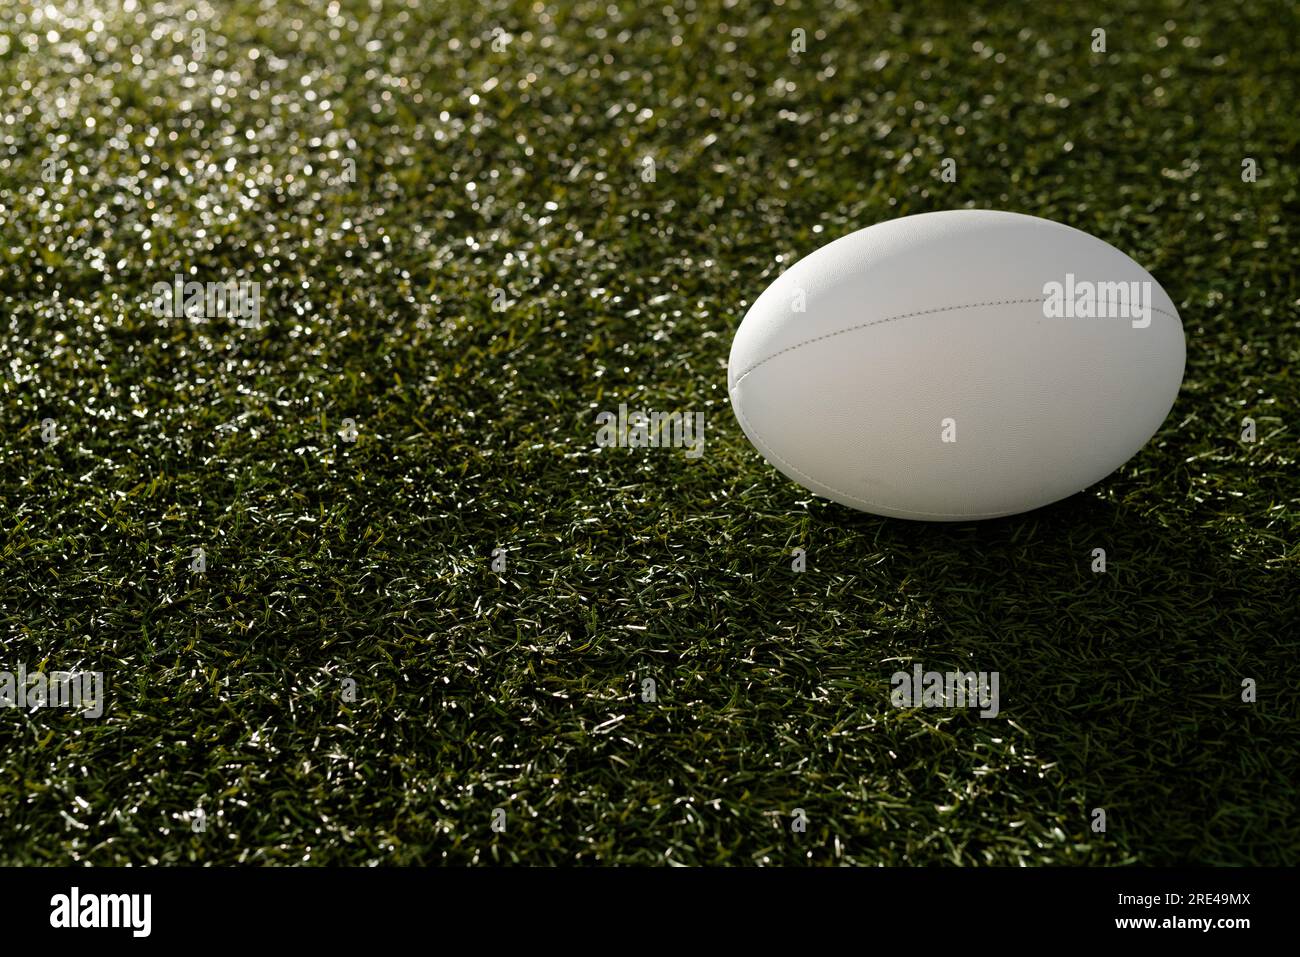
(520, 169)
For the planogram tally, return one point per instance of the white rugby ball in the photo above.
(958, 365)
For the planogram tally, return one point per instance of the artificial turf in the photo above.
(558, 208)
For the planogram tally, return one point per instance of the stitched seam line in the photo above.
(906, 315)
(769, 453)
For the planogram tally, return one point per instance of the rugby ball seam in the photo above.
(910, 315)
(768, 452)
